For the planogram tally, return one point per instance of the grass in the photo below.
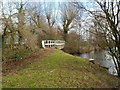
(60, 70)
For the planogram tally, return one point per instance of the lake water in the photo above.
(103, 58)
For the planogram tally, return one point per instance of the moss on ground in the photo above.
(60, 70)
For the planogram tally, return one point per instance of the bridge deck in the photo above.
(53, 44)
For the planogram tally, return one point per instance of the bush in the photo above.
(20, 54)
(17, 54)
(72, 43)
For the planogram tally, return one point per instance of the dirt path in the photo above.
(14, 65)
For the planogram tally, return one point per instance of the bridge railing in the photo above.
(53, 44)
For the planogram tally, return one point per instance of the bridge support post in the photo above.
(43, 44)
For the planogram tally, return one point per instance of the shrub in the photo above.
(17, 54)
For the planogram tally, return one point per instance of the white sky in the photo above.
(49, 0)
(86, 3)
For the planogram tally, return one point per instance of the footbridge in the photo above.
(59, 44)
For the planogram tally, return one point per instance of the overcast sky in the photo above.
(54, 3)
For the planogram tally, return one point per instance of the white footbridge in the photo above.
(59, 44)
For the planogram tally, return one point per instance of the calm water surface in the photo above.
(103, 58)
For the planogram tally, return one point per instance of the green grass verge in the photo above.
(60, 70)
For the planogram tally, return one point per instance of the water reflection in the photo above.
(103, 58)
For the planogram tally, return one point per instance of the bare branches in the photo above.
(69, 13)
(111, 11)
(50, 14)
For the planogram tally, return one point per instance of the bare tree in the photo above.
(68, 15)
(23, 28)
(15, 25)
(50, 15)
(111, 14)
(8, 25)
(107, 26)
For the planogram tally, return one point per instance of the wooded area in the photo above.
(26, 24)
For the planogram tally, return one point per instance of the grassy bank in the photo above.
(59, 69)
